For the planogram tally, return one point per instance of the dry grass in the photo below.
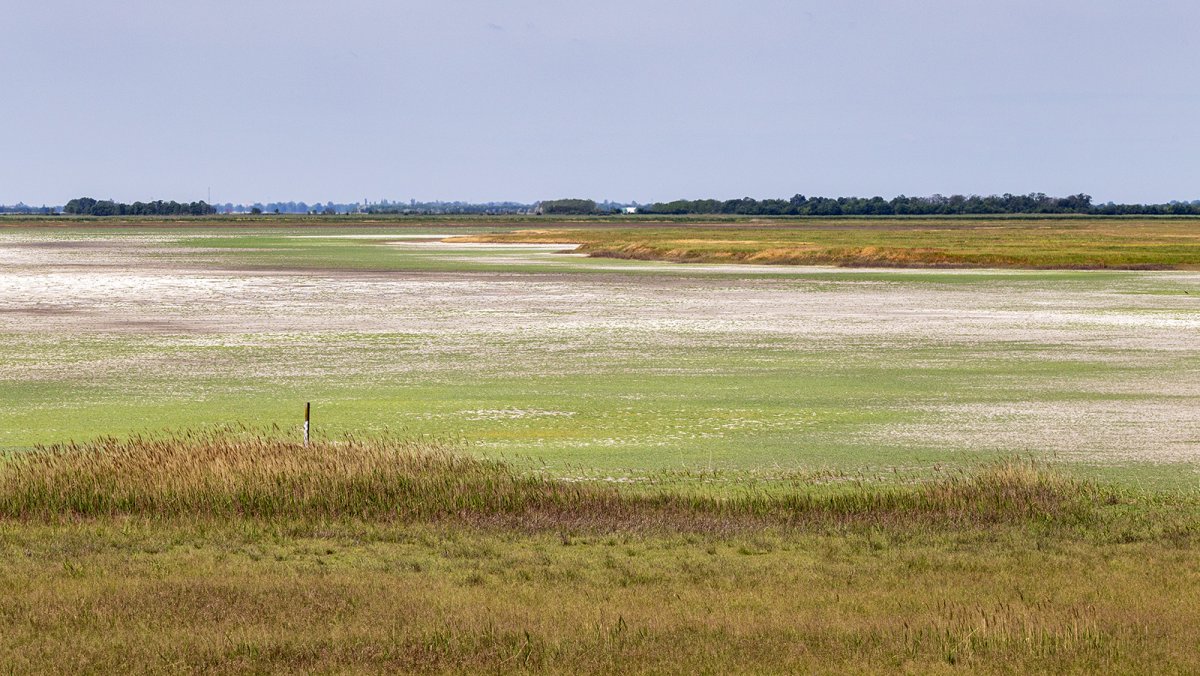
(869, 256)
(98, 598)
(1035, 243)
(241, 473)
(224, 473)
(231, 551)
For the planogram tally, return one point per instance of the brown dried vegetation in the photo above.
(246, 474)
(1035, 243)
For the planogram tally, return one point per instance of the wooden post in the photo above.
(307, 411)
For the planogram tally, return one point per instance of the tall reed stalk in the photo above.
(223, 473)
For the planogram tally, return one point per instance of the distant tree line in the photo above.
(327, 208)
(435, 208)
(797, 205)
(86, 206)
(936, 205)
(22, 208)
(381, 207)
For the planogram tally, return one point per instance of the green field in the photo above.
(699, 382)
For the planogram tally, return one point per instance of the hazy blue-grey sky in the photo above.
(625, 100)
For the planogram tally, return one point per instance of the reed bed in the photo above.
(244, 473)
(232, 473)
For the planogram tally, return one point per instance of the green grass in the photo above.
(715, 407)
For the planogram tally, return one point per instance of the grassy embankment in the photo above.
(230, 551)
(1049, 243)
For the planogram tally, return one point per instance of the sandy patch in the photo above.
(1105, 432)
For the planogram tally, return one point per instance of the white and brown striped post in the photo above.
(307, 411)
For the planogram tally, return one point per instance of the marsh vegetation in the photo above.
(227, 551)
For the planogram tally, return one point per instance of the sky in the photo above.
(646, 100)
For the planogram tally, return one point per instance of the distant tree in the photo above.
(568, 207)
(105, 208)
(87, 206)
(255, 210)
(80, 205)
